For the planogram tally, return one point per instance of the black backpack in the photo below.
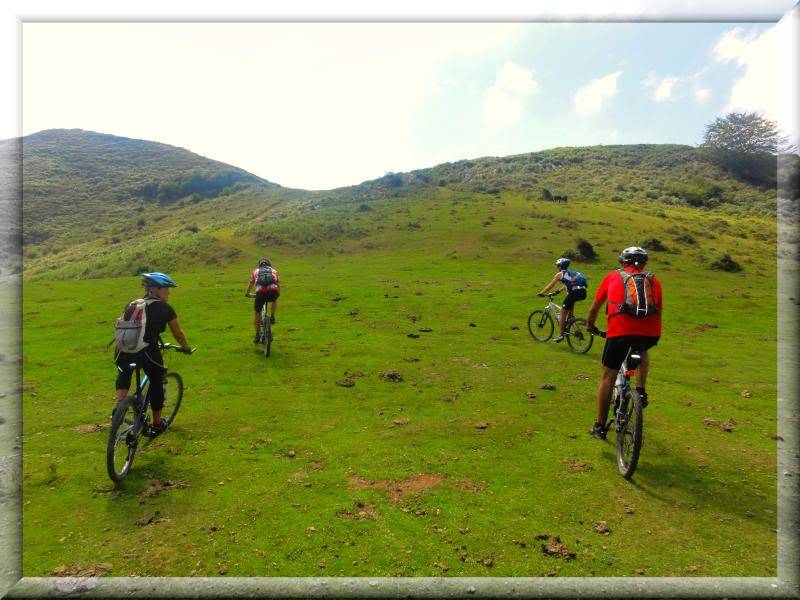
(265, 277)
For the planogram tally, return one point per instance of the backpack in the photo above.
(638, 299)
(577, 279)
(266, 277)
(130, 327)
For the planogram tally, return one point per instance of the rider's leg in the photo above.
(604, 388)
(641, 372)
(562, 319)
(257, 322)
(272, 306)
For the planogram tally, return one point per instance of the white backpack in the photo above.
(130, 327)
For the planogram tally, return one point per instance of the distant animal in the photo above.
(559, 198)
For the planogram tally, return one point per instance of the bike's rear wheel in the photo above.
(578, 336)
(541, 326)
(629, 435)
(123, 439)
(267, 336)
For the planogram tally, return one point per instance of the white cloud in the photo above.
(505, 99)
(702, 94)
(756, 90)
(663, 89)
(590, 98)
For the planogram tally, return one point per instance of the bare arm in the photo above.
(249, 287)
(593, 310)
(176, 330)
(555, 280)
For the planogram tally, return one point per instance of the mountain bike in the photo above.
(627, 415)
(265, 334)
(542, 324)
(130, 421)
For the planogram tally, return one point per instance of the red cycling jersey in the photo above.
(265, 288)
(612, 291)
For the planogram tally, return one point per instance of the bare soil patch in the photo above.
(398, 490)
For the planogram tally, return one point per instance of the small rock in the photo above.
(547, 386)
(347, 383)
(472, 325)
(426, 330)
(628, 510)
(746, 394)
(488, 562)
(530, 394)
(291, 454)
(602, 528)
(395, 376)
(481, 425)
(514, 328)
(449, 399)
(401, 421)
(413, 336)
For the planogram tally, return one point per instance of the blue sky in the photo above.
(322, 105)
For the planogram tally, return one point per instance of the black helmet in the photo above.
(562, 263)
(264, 262)
(633, 256)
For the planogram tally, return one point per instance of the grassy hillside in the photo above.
(98, 205)
(78, 185)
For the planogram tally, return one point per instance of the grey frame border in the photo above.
(786, 585)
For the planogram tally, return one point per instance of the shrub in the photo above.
(653, 244)
(571, 254)
(726, 263)
(141, 223)
(192, 228)
(364, 208)
(546, 194)
(617, 199)
(585, 249)
(685, 239)
(653, 195)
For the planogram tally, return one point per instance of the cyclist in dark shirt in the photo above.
(576, 291)
(159, 314)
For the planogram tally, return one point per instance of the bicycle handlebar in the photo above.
(249, 295)
(550, 294)
(168, 346)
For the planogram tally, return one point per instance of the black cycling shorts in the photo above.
(152, 363)
(616, 348)
(573, 296)
(264, 297)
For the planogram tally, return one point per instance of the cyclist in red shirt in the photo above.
(268, 289)
(624, 331)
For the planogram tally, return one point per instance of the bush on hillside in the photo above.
(653, 244)
(685, 239)
(547, 194)
(585, 249)
(726, 263)
(571, 254)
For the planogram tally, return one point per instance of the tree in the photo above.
(743, 133)
(747, 144)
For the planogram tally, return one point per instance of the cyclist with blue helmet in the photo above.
(575, 284)
(159, 314)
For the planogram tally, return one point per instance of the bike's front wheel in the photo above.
(123, 439)
(173, 394)
(578, 336)
(541, 326)
(629, 434)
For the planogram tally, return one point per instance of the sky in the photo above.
(324, 105)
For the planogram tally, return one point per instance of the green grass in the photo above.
(271, 449)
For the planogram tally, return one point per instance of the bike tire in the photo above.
(579, 338)
(267, 337)
(173, 394)
(629, 437)
(541, 326)
(122, 437)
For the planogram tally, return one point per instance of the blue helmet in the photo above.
(157, 280)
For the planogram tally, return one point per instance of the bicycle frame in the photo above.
(623, 382)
